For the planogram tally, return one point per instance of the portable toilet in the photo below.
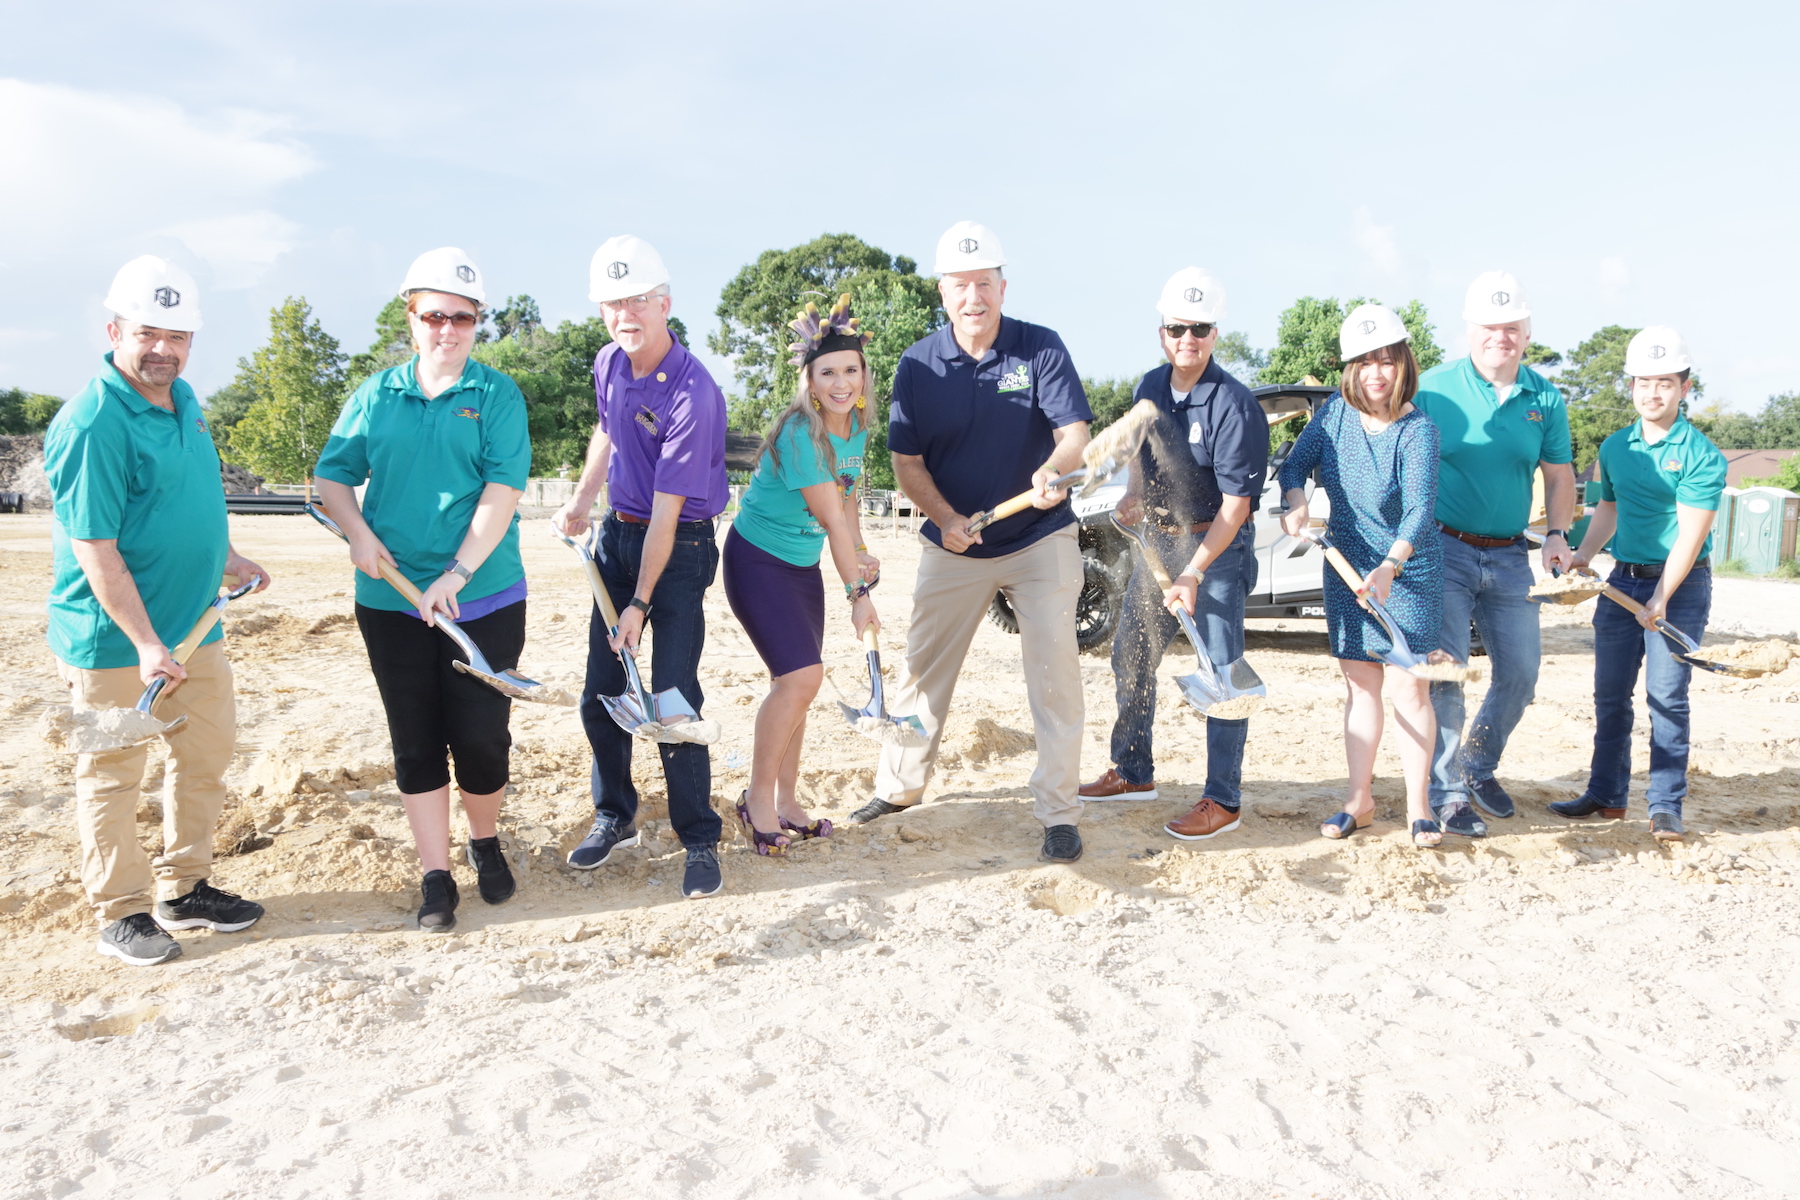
(1722, 523)
(1762, 528)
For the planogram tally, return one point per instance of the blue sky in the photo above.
(1630, 163)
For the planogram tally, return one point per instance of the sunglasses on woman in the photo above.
(1202, 329)
(462, 320)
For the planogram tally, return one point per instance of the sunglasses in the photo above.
(1200, 329)
(462, 320)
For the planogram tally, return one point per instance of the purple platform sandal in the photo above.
(766, 844)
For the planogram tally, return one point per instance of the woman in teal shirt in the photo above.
(802, 496)
(443, 445)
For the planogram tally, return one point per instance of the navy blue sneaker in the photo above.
(702, 877)
(603, 838)
(1492, 799)
(206, 907)
(1458, 817)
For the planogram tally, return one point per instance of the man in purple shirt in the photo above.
(660, 443)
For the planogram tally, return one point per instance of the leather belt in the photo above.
(629, 519)
(1475, 539)
(1655, 570)
(1196, 527)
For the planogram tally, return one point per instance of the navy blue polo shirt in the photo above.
(1215, 444)
(984, 427)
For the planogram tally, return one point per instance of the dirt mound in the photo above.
(238, 479)
(22, 469)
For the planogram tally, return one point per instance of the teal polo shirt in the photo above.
(773, 515)
(121, 469)
(426, 463)
(1647, 481)
(1488, 451)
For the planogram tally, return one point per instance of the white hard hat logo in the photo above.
(466, 274)
(968, 245)
(168, 297)
(1657, 351)
(617, 270)
(1367, 326)
(1501, 299)
(1193, 295)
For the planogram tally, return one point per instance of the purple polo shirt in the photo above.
(667, 431)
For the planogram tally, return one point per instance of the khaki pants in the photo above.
(115, 870)
(1042, 582)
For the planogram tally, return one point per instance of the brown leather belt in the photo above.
(631, 520)
(1475, 539)
(1196, 527)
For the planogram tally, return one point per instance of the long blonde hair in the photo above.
(802, 408)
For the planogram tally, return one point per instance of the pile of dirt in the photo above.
(238, 480)
(22, 469)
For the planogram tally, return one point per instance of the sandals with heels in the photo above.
(766, 844)
(1342, 825)
(1426, 834)
(820, 828)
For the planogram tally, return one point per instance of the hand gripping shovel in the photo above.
(872, 719)
(1232, 695)
(1102, 458)
(508, 683)
(100, 730)
(1401, 654)
(664, 717)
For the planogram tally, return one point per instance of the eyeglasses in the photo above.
(1200, 329)
(634, 303)
(462, 320)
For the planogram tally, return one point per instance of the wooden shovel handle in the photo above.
(1345, 571)
(184, 649)
(871, 639)
(1000, 511)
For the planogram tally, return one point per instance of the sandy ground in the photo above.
(919, 1008)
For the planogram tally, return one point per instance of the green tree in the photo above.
(26, 412)
(1109, 398)
(298, 377)
(227, 406)
(391, 347)
(1541, 356)
(1596, 391)
(1787, 475)
(1237, 355)
(518, 315)
(1306, 342)
(1776, 427)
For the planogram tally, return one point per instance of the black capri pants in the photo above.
(434, 710)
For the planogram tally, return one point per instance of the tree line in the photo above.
(276, 413)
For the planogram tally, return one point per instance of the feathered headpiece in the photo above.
(821, 335)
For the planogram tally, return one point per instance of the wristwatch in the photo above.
(1561, 533)
(639, 605)
(456, 568)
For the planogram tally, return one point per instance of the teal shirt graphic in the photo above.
(773, 514)
(122, 469)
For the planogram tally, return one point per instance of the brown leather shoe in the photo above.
(1112, 786)
(1206, 819)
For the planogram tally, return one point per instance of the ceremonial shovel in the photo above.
(98, 731)
(1110, 450)
(1232, 696)
(1400, 654)
(872, 719)
(508, 682)
(664, 717)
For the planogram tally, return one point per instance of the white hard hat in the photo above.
(1495, 298)
(968, 246)
(1370, 327)
(625, 266)
(446, 270)
(1658, 350)
(155, 292)
(1193, 294)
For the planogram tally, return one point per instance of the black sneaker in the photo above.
(876, 808)
(494, 878)
(206, 907)
(603, 838)
(702, 877)
(1666, 827)
(438, 913)
(137, 941)
(1492, 799)
(1062, 843)
(1460, 818)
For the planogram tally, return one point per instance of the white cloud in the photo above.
(1615, 277)
(1377, 241)
(86, 168)
(240, 247)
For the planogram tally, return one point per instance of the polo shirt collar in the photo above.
(114, 380)
(1678, 433)
(409, 379)
(673, 365)
(1526, 381)
(1206, 387)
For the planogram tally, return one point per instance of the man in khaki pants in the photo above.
(983, 410)
(140, 545)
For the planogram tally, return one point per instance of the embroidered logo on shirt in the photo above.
(1016, 380)
(1673, 464)
(200, 424)
(469, 413)
(647, 419)
(1534, 415)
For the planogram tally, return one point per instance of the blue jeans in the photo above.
(1620, 644)
(1489, 586)
(1145, 630)
(679, 633)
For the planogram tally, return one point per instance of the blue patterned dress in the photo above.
(1383, 489)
